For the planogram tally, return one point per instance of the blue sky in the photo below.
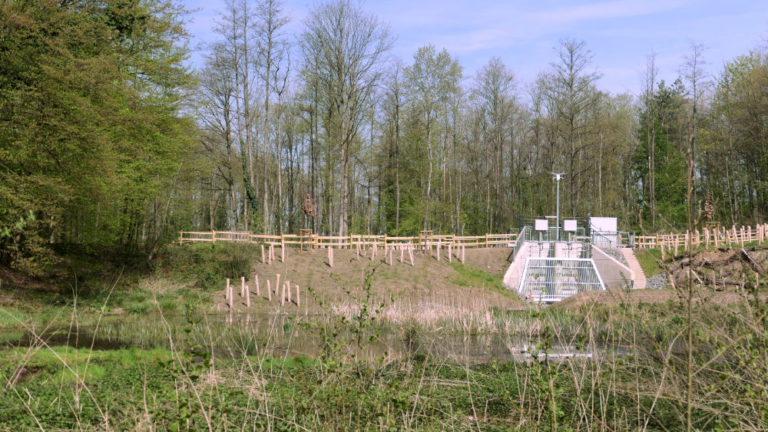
(620, 33)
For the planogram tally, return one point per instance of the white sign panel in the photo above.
(541, 225)
(603, 224)
(569, 225)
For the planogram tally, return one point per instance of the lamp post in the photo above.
(558, 177)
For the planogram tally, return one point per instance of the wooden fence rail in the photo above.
(351, 241)
(706, 237)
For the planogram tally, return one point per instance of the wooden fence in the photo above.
(707, 237)
(422, 241)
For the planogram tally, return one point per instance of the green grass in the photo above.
(478, 278)
(649, 261)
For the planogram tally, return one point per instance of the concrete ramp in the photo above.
(615, 274)
(638, 275)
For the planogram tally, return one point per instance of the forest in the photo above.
(109, 137)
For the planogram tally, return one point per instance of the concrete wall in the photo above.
(614, 274)
(515, 271)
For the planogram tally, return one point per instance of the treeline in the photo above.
(387, 146)
(106, 138)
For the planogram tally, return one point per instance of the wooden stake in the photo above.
(463, 253)
(282, 297)
(269, 291)
(242, 286)
(330, 256)
(229, 294)
(288, 289)
(247, 296)
(263, 256)
(277, 284)
(450, 258)
(282, 251)
(438, 250)
(410, 254)
(258, 294)
(298, 296)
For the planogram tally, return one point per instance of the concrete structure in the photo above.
(549, 271)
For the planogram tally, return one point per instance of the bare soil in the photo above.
(429, 286)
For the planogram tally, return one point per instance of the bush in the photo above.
(207, 264)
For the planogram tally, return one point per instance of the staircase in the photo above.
(638, 276)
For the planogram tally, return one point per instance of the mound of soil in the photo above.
(720, 269)
(429, 283)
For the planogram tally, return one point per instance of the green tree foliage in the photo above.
(736, 141)
(91, 135)
(666, 108)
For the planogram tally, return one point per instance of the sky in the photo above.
(620, 34)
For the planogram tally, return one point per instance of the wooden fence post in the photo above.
(213, 236)
(330, 256)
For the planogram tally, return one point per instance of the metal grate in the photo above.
(548, 280)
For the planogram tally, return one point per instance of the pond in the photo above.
(277, 335)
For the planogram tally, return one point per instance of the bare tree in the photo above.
(695, 77)
(650, 119)
(273, 50)
(495, 99)
(217, 116)
(571, 95)
(342, 48)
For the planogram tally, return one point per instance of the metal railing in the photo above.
(548, 280)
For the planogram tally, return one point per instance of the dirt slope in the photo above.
(428, 285)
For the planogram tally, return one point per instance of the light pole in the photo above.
(558, 177)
